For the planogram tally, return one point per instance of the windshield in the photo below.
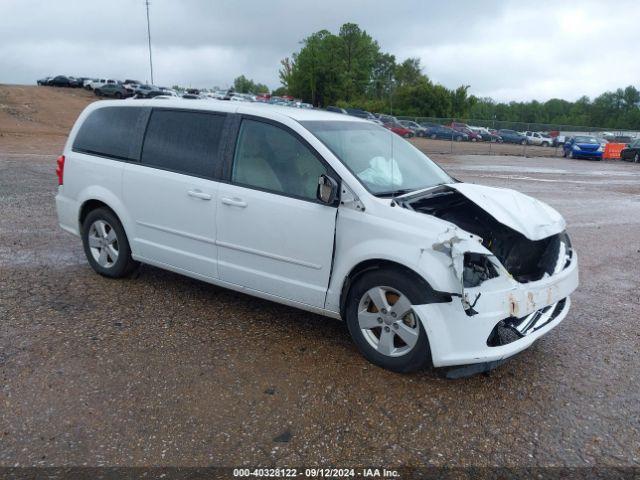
(586, 140)
(384, 163)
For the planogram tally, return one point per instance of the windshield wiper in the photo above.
(395, 193)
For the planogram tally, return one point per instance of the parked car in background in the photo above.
(397, 128)
(424, 269)
(631, 152)
(440, 132)
(92, 85)
(559, 140)
(61, 81)
(387, 118)
(537, 138)
(511, 136)
(332, 108)
(468, 131)
(356, 112)
(148, 91)
(44, 81)
(114, 90)
(486, 135)
(583, 146)
(416, 128)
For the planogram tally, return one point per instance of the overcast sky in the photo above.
(508, 50)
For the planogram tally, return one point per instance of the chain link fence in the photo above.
(521, 140)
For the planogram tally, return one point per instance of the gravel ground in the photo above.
(165, 370)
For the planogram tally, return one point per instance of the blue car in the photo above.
(511, 136)
(583, 146)
(444, 133)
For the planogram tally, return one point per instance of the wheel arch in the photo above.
(103, 198)
(430, 294)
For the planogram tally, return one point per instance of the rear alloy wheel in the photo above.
(433, 136)
(105, 244)
(523, 142)
(383, 323)
(636, 159)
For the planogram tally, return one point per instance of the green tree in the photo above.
(244, 85)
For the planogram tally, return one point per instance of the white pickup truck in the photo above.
(536, 138)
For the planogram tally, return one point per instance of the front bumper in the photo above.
(586, 154)
(457, 338)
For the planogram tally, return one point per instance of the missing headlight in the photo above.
(477, 269)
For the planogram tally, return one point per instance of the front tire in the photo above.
(106, 245)
(383, 324)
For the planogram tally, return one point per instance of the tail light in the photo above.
(60, 169)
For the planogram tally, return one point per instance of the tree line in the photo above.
(349, 69)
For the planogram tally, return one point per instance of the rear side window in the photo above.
(184, 142)
(113, 132)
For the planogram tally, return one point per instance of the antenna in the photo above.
(146, 2)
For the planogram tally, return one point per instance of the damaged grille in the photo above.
(512, 329)
(526, 260)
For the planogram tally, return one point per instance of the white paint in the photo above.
(282, 248)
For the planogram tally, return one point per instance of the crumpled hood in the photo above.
(532, 218)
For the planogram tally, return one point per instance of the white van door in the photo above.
(273, 235)
(171, 193)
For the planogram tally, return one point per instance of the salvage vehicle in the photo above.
(511, 136)
(113, 90)
(631, 152)
(415, 127)
(583, 146)
(537, 138)
(321, 211)
(445, 133)
(399, 129)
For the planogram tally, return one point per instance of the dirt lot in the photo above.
(164, 370)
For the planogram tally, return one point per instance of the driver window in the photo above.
(269, 158)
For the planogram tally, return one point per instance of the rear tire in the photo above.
(118, 95)
(106, 245)
(433, 136)
(380, 318)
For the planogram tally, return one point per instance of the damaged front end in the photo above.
(527, 254)
(514, 263)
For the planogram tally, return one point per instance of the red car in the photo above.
(464, 128)
(399, 129)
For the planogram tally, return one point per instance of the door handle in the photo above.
(199, 194)
(234, 202)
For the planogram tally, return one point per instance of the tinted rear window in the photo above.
(185, 142)
(113, 132)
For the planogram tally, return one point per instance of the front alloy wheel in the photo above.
(383, 321)
(387, 321)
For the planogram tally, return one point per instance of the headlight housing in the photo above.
(477, 269)
(577, 147)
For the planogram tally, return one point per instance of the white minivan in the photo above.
(325, 212)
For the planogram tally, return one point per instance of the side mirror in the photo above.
(327, 189)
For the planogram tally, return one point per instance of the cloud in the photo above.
(509, 50)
